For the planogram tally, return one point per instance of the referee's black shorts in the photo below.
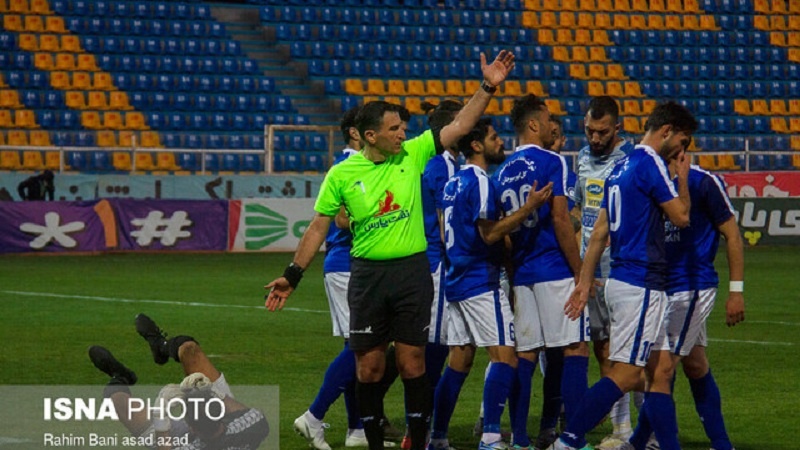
(389, 301)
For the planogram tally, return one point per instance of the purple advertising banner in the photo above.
(114, 224)
(172, 224)
(56, 226)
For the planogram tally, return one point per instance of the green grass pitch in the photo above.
(52, 308)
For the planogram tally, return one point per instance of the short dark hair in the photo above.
(523, 108)
(602, 105)
(556, 121)
(348, 121)
(477, 133)
(671, 113)
(439, 116)
(370, 116)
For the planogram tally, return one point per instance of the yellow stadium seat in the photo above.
(151, 139)
(25, 118)
(106, 138)
(530, 19)
(632, 89)
(598, 54)
(708, 23)
(354, 86)
(622, 5)
(794, 23)
(605, 6)
(551, 5)
(454, 88)
(97, 100)
(87, 62)
(657, 6)
(595, 88)
(493, 108)
(675, 6)
(119, 101)
(795, 142)
(631, 125)
(567, 20)
(794, 7)
(578, 72)
(691, 22)
(60, 80)
(112, 120)
(134, 120)
(796, 161)
(588, 5)
(505, 106)
(49, 43)
(91, 120)
(28, 42)
(416, 87)
(615, 72)
(648, 105)
(707, 162)
(434, 87)
(18, 6)
(690, 6)
(101, 81)
(34, 23)
(414, 105)
(32, 160)
(18, 138)
(9, 98)
(794, 55)
(52, 160)
(13, 22)
(2, 82)
(639, 21)
(75, 100)
(535, 88)
(621, 22)
(586, 20)
(144, 161)
(742, 106)
(166, 161)
(793, 39)
(471, 86)
(512, 88)
(602, 22)
(560, 54)
(570, 5)
(533, 5)
(794, 124)
(614, 89)
(761, 23)
(761, 6)
(81, 81)
(65, 61)
(6, 120)
(554, 106)
(640, 6)
(600, 37)
(375, 87)
(41, 7)
(583, 37)
(794, 107)
(777, 22)
(9, 160)
(760, 107)
(564, 37)
(121, 161)
(396, 87)
(777, 107)
(71, 43)
(54, 24)
(43, 61)
(546, 37)
(727, 162)
(548, 19)
(778, 125)
(580, 54)
(126, 138)
(631, 108)
(673, 22)
(597, 72)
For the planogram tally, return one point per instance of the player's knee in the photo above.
(695, 368)
(577, 349)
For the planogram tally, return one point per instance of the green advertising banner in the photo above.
(768, 221)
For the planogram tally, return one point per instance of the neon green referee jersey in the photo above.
(383, 200)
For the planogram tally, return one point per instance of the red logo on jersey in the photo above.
(387, 205)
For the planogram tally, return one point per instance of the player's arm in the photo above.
(283, 286)
(734, 307)
(493, 230)
(565, 233)
(493, 74)
(677, 209)
(597, 243)
(342, 220)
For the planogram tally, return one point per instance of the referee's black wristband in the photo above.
(293, 274)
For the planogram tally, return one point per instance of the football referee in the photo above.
(390, 291)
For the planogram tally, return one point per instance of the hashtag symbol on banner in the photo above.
(155, 226)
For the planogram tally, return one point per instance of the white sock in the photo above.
(488, 438)
(313, 421)
(621, 414)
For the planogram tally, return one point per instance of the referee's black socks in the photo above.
(370, 407)
(418, 410)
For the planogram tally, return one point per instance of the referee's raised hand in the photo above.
(496, 72)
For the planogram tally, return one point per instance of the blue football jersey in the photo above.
(691, 250)
(439, 169)
(634, 191)
(572, 180)
(338, 241)
(473, 266)
(536, 255)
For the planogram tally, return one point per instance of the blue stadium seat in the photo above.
(69, 120)
(251, 163)
(77, 160)
(62, 139)
(315, 161)
(231, 162)
(215, 141)
(211, 161)
(256, 142)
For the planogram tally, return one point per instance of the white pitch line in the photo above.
(768, 322)
(157, 302)
(752, 342)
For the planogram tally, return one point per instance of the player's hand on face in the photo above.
(540, 197)
(279, 291)
(734, 309)
(577, 300)
(496, 72)
(683, 163)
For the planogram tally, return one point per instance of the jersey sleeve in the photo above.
(558, 176)
(329, 199)
(656, 181)
(484, 198)
(435, 177)
(422, 148)
(717, 204)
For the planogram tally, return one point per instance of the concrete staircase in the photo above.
(291, 77)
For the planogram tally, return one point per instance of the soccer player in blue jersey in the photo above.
(595, 161)
(545, 260)
(638, 193)
(692, 288)
(479, 314)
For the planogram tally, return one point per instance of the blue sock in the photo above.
(574, 383)
(592, 408)
(708, 403)
(666, 427)
(495, 393)
(435, 356)
(519, 401)
(551, 388)
(643, 429)
(341, 373)
(444, 401)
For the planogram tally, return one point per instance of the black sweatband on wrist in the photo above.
(487, 88)
(293, 274)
